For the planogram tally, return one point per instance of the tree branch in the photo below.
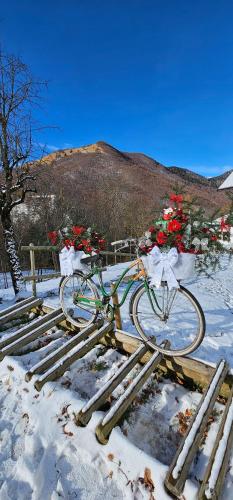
(22, 198)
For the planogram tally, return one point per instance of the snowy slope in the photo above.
(44, 455)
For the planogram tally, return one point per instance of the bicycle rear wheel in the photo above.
(177, 317)
(73, 287)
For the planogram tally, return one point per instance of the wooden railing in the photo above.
(33, 249)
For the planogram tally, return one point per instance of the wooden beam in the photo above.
(33, 268)
(61, 366)
(42, 277)
(16, 306)
(39, 248)
(106, 425)
(8, 339)
(117, 314)
(188, 371)
(179, 468)
(20, 311)
(213, 480)
(54, 356)
(32, 335)
(83, 417)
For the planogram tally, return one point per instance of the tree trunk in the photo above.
(11, 250)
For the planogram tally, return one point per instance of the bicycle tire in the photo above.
(135, 298)
(82, 322)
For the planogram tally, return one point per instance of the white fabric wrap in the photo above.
(159, 267)
(70, 260)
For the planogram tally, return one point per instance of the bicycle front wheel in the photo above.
(173, 315)
(80, 313)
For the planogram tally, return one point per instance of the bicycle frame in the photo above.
(140, 274)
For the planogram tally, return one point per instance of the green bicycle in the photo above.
(157, 314)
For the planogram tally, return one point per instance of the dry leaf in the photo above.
(68, 433)
(11, 368)
(110, 457)
(64, 409)
(148, 480)
(66, 383)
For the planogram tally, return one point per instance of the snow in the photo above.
(129, 390)
(198, 420)
(101, 391)
(38, 460)
(220, 453)
(228, 183)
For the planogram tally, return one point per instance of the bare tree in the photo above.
(19, 93)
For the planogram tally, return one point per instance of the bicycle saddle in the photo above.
(89, 259)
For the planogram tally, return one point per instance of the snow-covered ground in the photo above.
(43, 455)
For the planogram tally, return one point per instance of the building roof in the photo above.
(228, 183)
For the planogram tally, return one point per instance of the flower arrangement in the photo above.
(184, 226)
(81, 238)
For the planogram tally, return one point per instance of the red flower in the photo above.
(180, 247)
(102, 244)
(167, 216)
(205, 230)
(152, 229)
(53, 237)
(178, 237)
(77, 230)
(214, 237)
(85, 242)
(68, 243)
(161, 238)
(223, 226)
(174, 225)
(80, 246)
(177, 198)
(89, 249)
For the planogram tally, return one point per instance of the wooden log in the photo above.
(8, 339)
(29, 337)
(16, 306)
(113, 416)
(61, 366)
(42, 277)
(187, 371)
(20, 311)
(213, 480)
(39, 248)
(179, 468)
(117, 314)
(121, 254)
(83, 417)
(54, 356)
(33, 268)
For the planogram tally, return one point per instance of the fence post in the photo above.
(33, 268)
(117, 315)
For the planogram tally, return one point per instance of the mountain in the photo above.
(219, 179)
(190, 176)
(136, 174)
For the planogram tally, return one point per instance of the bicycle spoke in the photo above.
(80, 313)
(179, 323)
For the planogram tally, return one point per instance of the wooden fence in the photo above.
(110, 257)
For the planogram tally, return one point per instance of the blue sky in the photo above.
(143, 75)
